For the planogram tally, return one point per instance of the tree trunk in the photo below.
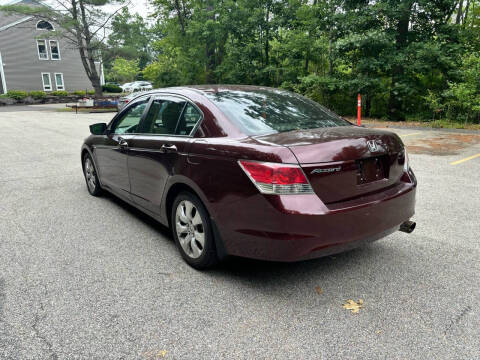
(210, 51)
(368, 105)
(459, 12)
(94, 77)
(465, 15)
(395, 104)
(180, 16)
(330, 59)
(267, 34)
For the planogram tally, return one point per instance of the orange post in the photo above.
(359, 110)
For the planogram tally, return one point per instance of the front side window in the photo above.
(47, 84)
(42, 49)
(267, 111)
(54, 50)
(163, 116)
(128, 124)
(59, 81)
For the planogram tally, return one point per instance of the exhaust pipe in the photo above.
(408, 227)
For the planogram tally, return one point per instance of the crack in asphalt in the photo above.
(36, 322)
(456, 321)
(8, 340)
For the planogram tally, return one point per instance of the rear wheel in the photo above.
(91, 178)
(192, 231)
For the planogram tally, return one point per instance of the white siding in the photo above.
(23, 68)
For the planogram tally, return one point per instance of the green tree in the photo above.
(397, 53)
(130, 38)
(125, 70)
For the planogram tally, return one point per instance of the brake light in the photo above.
(274, 178)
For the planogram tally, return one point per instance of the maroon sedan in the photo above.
(252, 171)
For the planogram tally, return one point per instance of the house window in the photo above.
(47, 84)
(59, 81)
(54, 50)
(44, 25)
(42, 49)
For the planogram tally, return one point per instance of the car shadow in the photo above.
(261, 272)
(152, 223)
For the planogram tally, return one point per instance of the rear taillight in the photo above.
(274, 178)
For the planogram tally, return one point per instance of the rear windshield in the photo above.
(262, 112)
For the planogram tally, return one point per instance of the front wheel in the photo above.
(91, 178)
(192, 231)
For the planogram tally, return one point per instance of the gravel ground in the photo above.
(93, 278)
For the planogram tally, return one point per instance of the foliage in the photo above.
(130, 38)
(37, 94)
(125, 70)
(111, 88)
(462, 99)
(17, 94)
(405, 57)
(78, 93)
(59, 93)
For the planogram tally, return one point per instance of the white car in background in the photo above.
(137, 86)
(125, 86)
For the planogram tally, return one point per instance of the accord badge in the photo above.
(326, 170)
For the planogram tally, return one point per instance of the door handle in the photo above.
(122, 142)
(168, 148)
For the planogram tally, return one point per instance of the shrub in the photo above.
(59, 93)
(17, 94)
(37, 94)
(78, 92)
(111, 88)
(91, 92)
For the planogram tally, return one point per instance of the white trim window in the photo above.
(47, 82)
(54, 49)
(59, 84)
(42, 49)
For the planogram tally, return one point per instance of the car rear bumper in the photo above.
(297, 227)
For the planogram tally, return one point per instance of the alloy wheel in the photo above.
(90, 175)
(190, 229)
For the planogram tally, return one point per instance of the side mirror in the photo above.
(98, 129)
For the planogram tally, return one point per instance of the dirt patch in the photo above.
(445, 144)
(379, 123)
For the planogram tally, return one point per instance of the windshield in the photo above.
(265, 111)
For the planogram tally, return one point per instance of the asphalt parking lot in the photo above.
(93, 278)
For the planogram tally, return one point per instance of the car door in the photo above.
(161, 148)
(111, 154)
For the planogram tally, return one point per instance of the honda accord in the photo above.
(251, 171)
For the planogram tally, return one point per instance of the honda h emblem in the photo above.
(372, 145)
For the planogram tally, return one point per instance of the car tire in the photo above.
(91, 178)
(192, 231)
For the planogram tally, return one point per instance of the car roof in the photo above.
(213, 88)
(210, 89)
(204, 89)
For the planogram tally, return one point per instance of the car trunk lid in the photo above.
(342, 163)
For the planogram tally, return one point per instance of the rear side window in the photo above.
(170, 117)
(267, 111)
(190, 117)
